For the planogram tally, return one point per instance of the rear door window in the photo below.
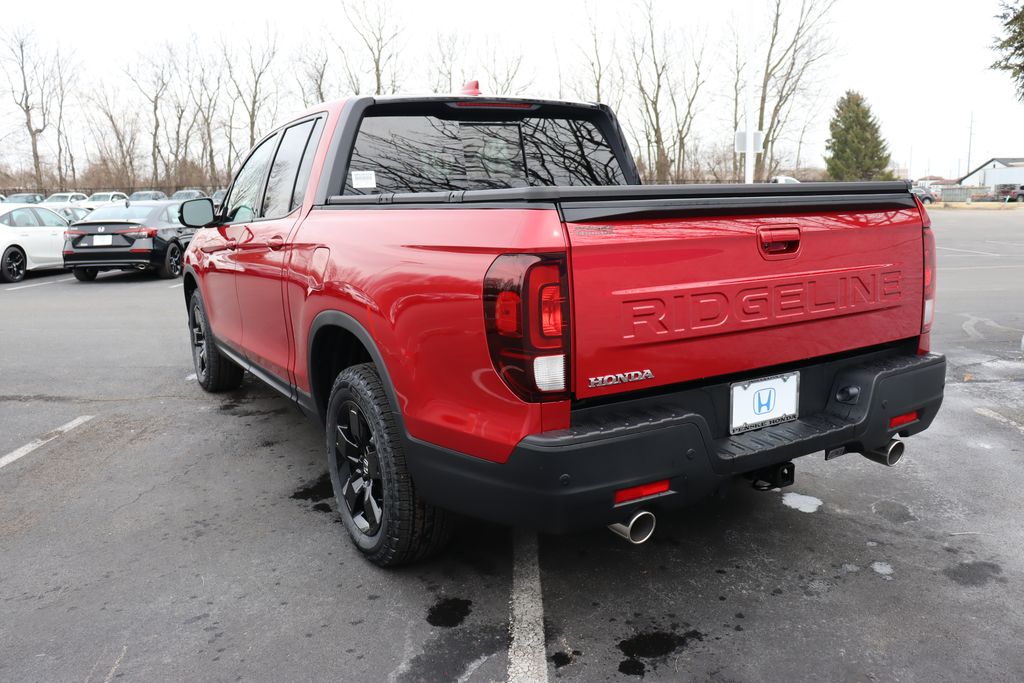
(281, 183)
(427, 154)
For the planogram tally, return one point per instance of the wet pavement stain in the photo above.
(632, 667)
(897, 513)
(449, 612)
(447, 655)
(322, 507)
(652, 645)
(315, 491)
(975, 573)
(560, 659)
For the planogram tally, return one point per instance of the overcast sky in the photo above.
(923, 66)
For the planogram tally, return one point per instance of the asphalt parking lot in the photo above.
(168, 534)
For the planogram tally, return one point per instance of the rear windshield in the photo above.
(121, 213)
(100, 197)
(430, 154)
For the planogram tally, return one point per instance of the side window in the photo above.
(50, 219)
(24, 218)
(248, 188)
(307, 164)
(281, 183)
(171, 215)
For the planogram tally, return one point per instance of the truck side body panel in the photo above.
(413, 279)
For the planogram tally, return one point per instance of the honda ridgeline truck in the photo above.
(490, 315)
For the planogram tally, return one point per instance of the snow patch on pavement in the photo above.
(799, 501)
(882, 568)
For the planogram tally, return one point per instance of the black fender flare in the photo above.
(333, 318)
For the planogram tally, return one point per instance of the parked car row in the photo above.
(134, 235)
(96, 199)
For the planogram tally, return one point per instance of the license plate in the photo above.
(763, 402)
(102, 240)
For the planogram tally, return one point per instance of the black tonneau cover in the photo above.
(626, 201)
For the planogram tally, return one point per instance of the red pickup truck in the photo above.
(489, 315)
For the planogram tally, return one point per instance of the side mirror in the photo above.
(196, 213)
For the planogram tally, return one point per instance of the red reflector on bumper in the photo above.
(642, 491)
(903, 419)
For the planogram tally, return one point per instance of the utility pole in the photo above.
(970, 141)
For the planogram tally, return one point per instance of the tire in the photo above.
(170, 267)
(85, 274)
(214, 371)
(12, 265)
(1020, 198)
(927, 200)
(374, 493)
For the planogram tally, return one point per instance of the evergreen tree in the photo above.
(1011, 46)
(856, 148)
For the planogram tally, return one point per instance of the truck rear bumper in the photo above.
(566, 480)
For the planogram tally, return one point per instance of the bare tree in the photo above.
(313, 73)
(445, 62)
(205, 91)
(503, 69)
(152, 78)
(791, 54)
(684, 101)
(180, 115)
(737, 68)
(115, 131)
(63, 67)
(602, 77)
(252, 81)
(378, 32)
(30, 79)
(653, 82)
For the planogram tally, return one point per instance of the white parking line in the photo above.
(43, 440)
(1019, 265)
(527, 661)
(180, 284)
(970, 251)
(38, 284)
(1000, 418)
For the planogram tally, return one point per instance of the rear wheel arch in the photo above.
(190, 285)
(337, 341)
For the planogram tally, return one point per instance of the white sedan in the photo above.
(31, 238)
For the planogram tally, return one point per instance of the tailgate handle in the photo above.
(779, 241)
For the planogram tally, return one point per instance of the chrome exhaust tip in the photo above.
(889, 455)
(638, 529)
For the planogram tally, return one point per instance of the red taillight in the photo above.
(641, 491)
(526, 315)
(928, 313)
(139, 233)
(900, 420)
(71, 234)
(496, 105)
(506, 314)
(928, 263)
(551, 311)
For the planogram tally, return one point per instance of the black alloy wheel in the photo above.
(375, 495)
(12, 267)
(171, 267)
(197, 332)
(214, 371)
(358, 465)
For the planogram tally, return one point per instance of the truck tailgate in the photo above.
(667, 291)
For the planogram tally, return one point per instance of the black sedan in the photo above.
(130, 236)
(924, 194)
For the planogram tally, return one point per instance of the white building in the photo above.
(997, 171)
